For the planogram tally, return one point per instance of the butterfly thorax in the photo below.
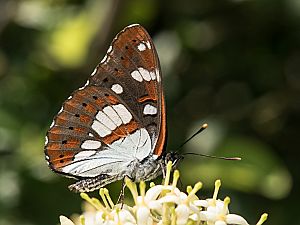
(152, 167)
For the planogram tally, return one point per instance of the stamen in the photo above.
(173, 216)
(196, 188)
(82, 219)
(189, 189)
(97, 205)
(111, 203)
(152, 184)
(216, 191)
(262, 219)
(142, 188)
(226, 203)
(175, 178)
(133, 189)
(168, 173)
(101, 192)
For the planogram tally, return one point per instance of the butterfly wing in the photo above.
(117, 116)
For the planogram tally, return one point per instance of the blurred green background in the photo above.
(234, 64)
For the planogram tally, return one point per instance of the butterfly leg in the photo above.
(163, 168)
(122, 193)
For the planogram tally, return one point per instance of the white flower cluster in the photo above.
(161, 204)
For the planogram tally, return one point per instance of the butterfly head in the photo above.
(174, 157)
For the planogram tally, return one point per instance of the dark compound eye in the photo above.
(106, 94)
(64, 142)
(95, 97)
(105, 79)
(116, 70)
(61, 156)
(84, 104)
(77, 115)
(71, 128)
(126, 47)
(122, 57)
(134, 40)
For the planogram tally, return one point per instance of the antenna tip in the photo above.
(235, 158)
(205, 125)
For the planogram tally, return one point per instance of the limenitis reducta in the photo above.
(114, 126)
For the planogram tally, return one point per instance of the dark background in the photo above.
(234, 64)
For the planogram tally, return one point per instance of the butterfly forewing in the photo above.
(120, 108)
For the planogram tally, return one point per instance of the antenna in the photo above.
(202, 128)
(212, 156)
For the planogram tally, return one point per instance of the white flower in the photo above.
(161, 204)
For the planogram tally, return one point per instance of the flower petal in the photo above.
(235, 219)
(182, 214)
(142, 215)
(207, 216)
(220, 222)
(169, 198)
(201, 203)
(153, 192)
(65, 221)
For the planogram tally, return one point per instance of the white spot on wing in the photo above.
(61, 109)
(109, 49)
(100, 129)
(111, 113)
(150, 110)
(91, 135)
(46, 140)
(123, 113)
(104, 59)
(141, 47)
(145, 74)
(148, 44)
(90, 144)
(117, 88)
(83, 154)
(157, 75)
(153, 75)
(133, 25)
(70, 97)
(87, 83)
(105, 120)
(94, 72)
(137, 76)
(52, 124)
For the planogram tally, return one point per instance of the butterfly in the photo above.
(115, 125)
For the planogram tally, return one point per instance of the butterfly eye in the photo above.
(106, 94)
(126, 47)
(116, 70)
(71, 128)
(134, 40)
(122, 57)
(105, 79)
(95, 97)
(64, 142)
(77, 115)
(84, 104)
(61, 156)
